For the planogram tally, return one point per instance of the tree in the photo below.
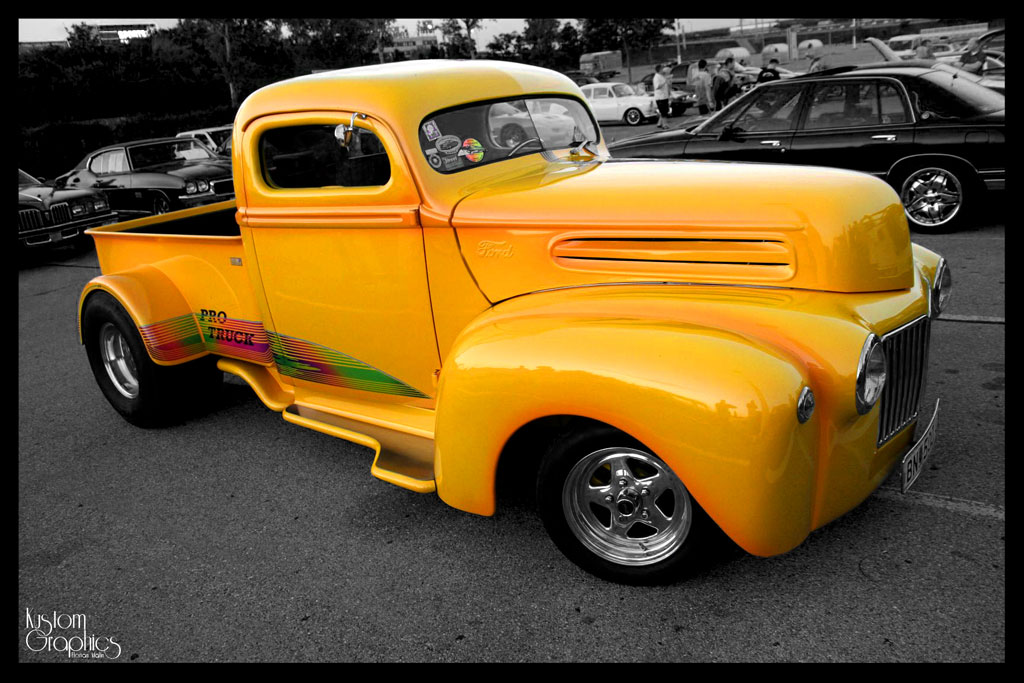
(382, 33)
(507, 46)
(459, 43)
(540, 36)
(570, 46)
(627, 35)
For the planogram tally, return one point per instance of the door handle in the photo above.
(773, 143)
(887, 138)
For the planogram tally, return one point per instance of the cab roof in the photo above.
(403, 93)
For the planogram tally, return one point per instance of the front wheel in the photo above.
(618, 511)
(634, 117)
(161, 204)
(935, 197)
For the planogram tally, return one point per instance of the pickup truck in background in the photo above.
(657, 354)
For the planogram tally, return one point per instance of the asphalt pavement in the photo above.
(237, 536)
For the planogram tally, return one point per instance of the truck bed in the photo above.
(213, 220)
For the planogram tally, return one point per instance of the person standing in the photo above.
(662, 92)
(770, 72)
(722, 83)
(924, 50)
(702, 89)
(974, 59)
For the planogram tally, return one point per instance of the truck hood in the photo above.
(621, 220)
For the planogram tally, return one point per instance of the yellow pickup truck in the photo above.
(440, 261)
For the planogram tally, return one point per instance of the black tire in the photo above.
(511, 135)
(161, 204)
(164, 395)
(913, 183)
(633, 117)
(686, 552)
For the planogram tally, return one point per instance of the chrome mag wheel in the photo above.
(931, 196)
(626, 506)
(118, 361)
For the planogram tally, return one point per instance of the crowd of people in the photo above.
(713, 90)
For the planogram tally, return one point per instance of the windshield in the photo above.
(482, 133)
(26, 179)
(622, 90)
(978, 97)
(157, 153)
(903, 44)
(219, 136)
(722, 117)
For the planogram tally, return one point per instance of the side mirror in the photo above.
(343, 131)
(925, 115)
(726, 134)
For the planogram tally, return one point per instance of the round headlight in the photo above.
(870, 374)
(942, 288)
(190, 187)
(203, 185)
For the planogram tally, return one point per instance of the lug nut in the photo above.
(645, 492)
(622, 482)
(608, 499)
(644, 513)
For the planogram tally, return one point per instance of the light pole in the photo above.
(679, 54)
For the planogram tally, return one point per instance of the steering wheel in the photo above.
(521, 145)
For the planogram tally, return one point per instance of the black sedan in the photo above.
(154, 176)
(49, 216)
(937, 138)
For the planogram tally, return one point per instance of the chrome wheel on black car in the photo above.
(932, 197)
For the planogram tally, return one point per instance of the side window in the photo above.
(114, 161)
(600, 93)
(843, 105)
(773, 109)
(891, 103)
(310, 156)
(937, 101)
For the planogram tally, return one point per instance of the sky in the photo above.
(56, 29)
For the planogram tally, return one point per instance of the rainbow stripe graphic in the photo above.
(174, 338)
(316, 363)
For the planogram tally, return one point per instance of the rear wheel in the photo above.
(144, 393)
(936, 197)
(634, 117)
(617, 510)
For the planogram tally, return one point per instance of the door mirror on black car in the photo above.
(726, 133)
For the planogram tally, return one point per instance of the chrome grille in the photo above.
(222, 186)
(60, 214)
(906, 355)
(29, 219)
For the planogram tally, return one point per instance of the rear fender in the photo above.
(162, 315)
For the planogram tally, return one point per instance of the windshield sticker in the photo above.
(449, 144)
(472, 150)
(431, 130)
(434, 160)
(451, 163)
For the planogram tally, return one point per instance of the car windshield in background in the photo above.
(157, 153)
(978, 97)
(622, 90)
(219, 136)
(480, 134)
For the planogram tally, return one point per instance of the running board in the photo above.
(269, 390)
(401, 458)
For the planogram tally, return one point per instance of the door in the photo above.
(336, 234)
(602, 103)
(864, 125)
(758, 131)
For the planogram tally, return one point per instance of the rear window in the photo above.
(952, 96)
(311, 156)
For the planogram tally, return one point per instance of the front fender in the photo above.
(718, 406)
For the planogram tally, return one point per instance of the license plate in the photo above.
(917, 456)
